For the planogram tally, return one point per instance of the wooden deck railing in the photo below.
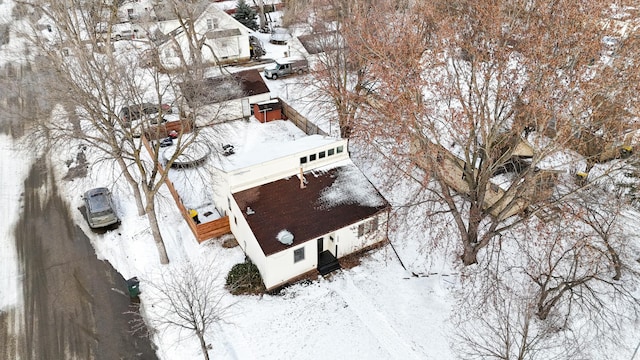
(202, 231)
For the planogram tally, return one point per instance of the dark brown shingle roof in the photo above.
(283, 205)
(223, 88)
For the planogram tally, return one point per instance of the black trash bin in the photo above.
(133, 285)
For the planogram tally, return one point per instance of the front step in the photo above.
(327, 263)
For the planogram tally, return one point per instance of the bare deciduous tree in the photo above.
(507, 329)
(339, 77)
(191, 297)
(474, 79)
(93, 80)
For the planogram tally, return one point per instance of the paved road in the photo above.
(71, 310)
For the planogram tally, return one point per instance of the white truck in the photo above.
(286, 66)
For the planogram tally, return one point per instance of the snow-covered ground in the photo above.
(376, 310)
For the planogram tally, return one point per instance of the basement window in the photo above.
(339, 149)
(298, 255)
(303, 160)
(321, 155)
(312, 157)
(331, 152)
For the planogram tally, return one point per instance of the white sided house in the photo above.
(136, 10)
(297, 207)
(222, 40)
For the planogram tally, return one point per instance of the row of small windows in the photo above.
(321, 155)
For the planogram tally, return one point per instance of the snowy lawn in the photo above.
(376, 310)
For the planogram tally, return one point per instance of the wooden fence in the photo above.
(300, 121)
(202, 231)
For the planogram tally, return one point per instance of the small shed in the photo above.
(269, 110)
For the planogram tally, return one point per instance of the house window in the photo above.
(312, 157)
(298, 255)
(303, 160)
(373, 224)
(339, 149)
(368, 227)
(331, 152)
(211, 24)
(321, 154)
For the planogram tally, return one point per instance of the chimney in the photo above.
(302, 179)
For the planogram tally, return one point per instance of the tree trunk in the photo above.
(470, 254)
(155, 230)
(133, 184)
(615, 259)
(263, 19)
(203, 344)
(471, 246)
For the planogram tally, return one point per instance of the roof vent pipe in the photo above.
(285, 237)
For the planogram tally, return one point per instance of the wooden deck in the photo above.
(203, 231)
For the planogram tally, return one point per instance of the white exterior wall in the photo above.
(348, 241)
(289, 165)
(277, 268)
(140, 9)
(280, 267)
(232, 48)
(226, 111)
(246, 239)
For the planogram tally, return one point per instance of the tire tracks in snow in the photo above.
(373, 319)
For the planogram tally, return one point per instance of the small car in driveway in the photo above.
(99, 208)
